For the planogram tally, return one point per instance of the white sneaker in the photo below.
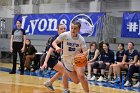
(93, 78)
(100, 79)
(48, 85)
(137, 85)
(127, 83)
(88, 77)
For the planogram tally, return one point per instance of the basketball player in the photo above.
(52, 60)
(73, 42)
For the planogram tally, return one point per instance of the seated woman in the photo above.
(119, 57)
(130, 57)
(93, 54)
(105, 60)
(133, 68)
(29, 54)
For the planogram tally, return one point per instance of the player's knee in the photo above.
(103, 66)
(81, 76)
(95, 65)
(76, 82)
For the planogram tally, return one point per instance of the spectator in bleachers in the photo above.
(133, 68)
(130, 57)
(118, 60)
(29, 54)
(93, 54)
(105, 60)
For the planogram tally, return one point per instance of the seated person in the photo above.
(133, 68)
(93, 54)
(119, 57)
(105, 60)
(29, 54)
(130, 57)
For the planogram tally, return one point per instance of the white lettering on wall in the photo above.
(52, 25)
(41, 26)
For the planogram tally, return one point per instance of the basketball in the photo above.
(80, 60)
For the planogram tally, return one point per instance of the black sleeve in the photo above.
(111, 60)
(136, 52)
(13, 31)
(126, 53)
(23, 31)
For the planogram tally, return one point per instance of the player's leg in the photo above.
(59, 67)
(111, 71)
(69, 69)
(81, 76)
(73, 76)
(49, 83)
(89, 67)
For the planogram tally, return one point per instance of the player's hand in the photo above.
(100, 62)
(11, 49)
(22, 50)
(132, 63)
(123, 63)
(58, 49)
(137, 64)
(44, 66)
(90, 61)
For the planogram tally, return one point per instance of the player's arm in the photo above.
(124, 59)
(55, 44)
(11, 43)
(138, 63)
(84, 48)
(48, 55)
(59, 39)
(135, 59)
(47, 58)
(24, 43)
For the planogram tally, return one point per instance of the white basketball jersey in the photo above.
(71, 45)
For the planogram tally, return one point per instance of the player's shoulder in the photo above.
(65, 33)
(81, 37)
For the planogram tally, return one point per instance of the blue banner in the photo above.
(131, 25)
(46, 24)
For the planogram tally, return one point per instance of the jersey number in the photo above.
(71, 49)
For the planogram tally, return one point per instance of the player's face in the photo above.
(27, 42)
(120, 47)
(18, 24)
(93, 46)
(61, 29)
(74, 30)
(105, 47)
(130, 46)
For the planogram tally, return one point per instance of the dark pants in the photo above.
(36, 64)
(131, 71)
(17, 46)
(96, 65)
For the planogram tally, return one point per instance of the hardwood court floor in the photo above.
(32, 84)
